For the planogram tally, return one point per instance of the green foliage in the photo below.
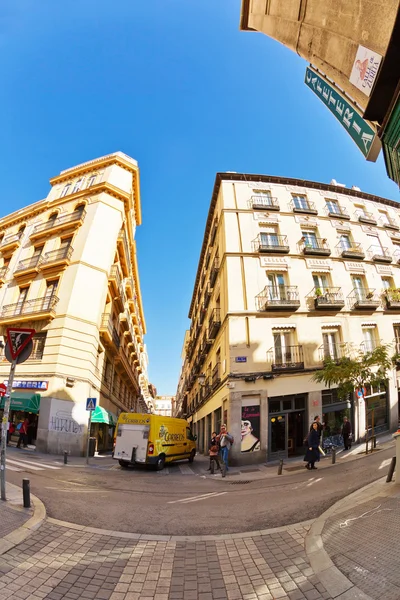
(348, 373)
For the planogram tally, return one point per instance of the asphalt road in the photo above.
(139, 501)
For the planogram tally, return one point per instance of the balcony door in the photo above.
(283, 348)
(276, 286)
(345, 242)
(359, 287)
(23, 293)
(300, 202)
(310, 239)
(321, 282)
(330, 345)
(269, 237)
(50, 293)
(264, 198)
(333, 206)
(376, 246)
(369, 339)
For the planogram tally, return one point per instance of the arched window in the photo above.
(79, 208)
(65, 190)
(91, 180)
(78, 185)
(53, 217)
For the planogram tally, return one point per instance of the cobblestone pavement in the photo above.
(11, 519)
(57, 562)
(363, 543)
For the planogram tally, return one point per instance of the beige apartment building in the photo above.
(290, 272)
(69, 270)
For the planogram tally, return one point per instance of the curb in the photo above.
(178, 538)
(334, 581)
(19, 535)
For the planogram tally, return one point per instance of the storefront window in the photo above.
(334, 410)
(377, 411)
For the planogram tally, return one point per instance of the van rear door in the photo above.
(131, 444)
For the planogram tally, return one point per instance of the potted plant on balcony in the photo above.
(370, 295)
(392, 296)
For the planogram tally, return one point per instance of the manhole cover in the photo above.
(241, 482)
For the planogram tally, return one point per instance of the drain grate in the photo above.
(240, 482)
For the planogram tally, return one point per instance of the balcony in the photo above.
(115, 279)
(264, 203)
(216, 375)
(280, 297)
(392, 298)
(337, 212)
(214, 323)
(315, 247)
(366, 217)
(3, 274)
(207, 297)
(351, 250)
(56, 259)
(327, 298)
(108, 330)
(303, 207)
(388, 223)
(11, 242)
(28, 267)
(39, 309)
(271, 243)
(363, 299)
(379, 254)
(74, 219)
(333, 351)
(214, 271)
(123, 252)
(286, 359)
(213, 232)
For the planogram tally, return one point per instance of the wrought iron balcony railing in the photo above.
(214, 323)
(214, 271)
(363, 298)
(389, 223)
(303, 206)
(264, 202)
(392, 298)
(336, 211)
(334, 351)
(10, 239)
(271, 243)
(57, 255)
(108, 325)
(327, 297)
(29, 307)
(3, 273)
(315, 246)
(379, 254)
(77, 215)
(115, 275)
(366, 217)
(28, 264)
(287, 358)
(281, 297)
(216, 374)
(351, 250)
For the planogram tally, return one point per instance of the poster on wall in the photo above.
(250, 441)
(365, 69)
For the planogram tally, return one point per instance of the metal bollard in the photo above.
(26, 493)
(280, 466)
(333, 456)
(374, 441)
(65, 457)
(392, 467)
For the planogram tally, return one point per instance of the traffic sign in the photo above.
(3, 389)
(18, 339)
(91, 403)
(22, 356)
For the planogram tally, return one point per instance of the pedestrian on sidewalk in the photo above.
(320, 427)
(347, 433)
(213, 452)
(312, 454)
(225, 441)
(23, 434)
(10, 431)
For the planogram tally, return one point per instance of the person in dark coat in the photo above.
(347, 433)
(312, 454)
(320, 427)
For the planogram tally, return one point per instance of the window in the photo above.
(52, 217)
(320, 282)
(276, 286)
(91, 180)
(359, 286)
(282, 347)
(269, 237)
(78, 185)
(51, 288)
(37, 251)
(79, 209)
(263, 196)
(38, 341)
(330, 345)
(107, 371)
(333, 206)
(345, 241)
(376, 246)
(23, 293)
(369, 339)
(361, 212)
(300, 201)
(65, 243)
(387, 283)
(396, 329)
(310, 239)
(384, 218)
(65, 190)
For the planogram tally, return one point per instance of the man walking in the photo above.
(347, 433)
(225, 441)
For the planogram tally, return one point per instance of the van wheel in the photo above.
(192, 455)
(160, 462)
(123, 463)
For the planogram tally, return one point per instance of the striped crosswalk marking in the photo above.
(28, 465)
(186, 470)
(197, 498)
(10, 468)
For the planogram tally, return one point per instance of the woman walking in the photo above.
(312, 454)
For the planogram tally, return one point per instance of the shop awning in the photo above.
(26, 401)
(101, 415)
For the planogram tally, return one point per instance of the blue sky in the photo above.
(174, 84)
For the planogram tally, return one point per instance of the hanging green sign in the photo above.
(349, 116)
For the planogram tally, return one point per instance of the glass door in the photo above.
(330, 347)
(345, 242)
(276, 286)
(50, 292)
(277, 435)
(23, 292)
(282, 348)
(358, 285)
(310, 239)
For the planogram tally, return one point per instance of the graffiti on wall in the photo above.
(63, 422)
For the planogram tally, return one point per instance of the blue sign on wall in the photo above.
(241, 359)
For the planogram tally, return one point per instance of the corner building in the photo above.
(69, 270)
(290, 272)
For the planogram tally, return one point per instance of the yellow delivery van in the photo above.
(152, 440)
